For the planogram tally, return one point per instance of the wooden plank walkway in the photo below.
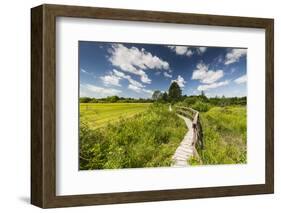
(186, 149)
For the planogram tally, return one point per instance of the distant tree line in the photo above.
(217, 101)
(115, 99)
(173, 95)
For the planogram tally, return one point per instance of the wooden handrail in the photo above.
(196, 124)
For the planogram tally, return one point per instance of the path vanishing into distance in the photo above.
(185, 150)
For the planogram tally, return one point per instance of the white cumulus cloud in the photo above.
(139, 89)
(205, 75)
(134, 85)
(180, 81)
(242, 79)
(166, 74)
(212, 86)
(201, 50)
(128, 77)
(234, 55)
(134, 60)
(89, 90)
(182, 50)
(188, 51)
(111, 80)
(134, 88)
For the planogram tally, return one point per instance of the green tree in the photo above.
(165, 97)
(203, 93)
(112, 99)
(85, 99)
(174, 92)
(93, 100)
(203, 97)
(156, 95)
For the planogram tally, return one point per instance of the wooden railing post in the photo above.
(196, 124)
(200, 134)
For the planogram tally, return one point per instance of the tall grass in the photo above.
(225, 135)
(201, 106)
(197, 105)
(148, 139)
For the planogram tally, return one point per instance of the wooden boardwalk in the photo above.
(194, 135)
(185, 150)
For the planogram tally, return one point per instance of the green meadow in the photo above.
(225, 136)
(97, 115)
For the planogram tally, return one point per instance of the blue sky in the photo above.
(136, 70)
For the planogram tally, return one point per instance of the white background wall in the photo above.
(15, 104)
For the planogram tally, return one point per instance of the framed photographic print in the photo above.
(136, 106)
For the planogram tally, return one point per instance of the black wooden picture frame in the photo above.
(43, 105)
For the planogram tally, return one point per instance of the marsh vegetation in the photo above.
(123, 133)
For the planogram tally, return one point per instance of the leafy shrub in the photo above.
(201, 106)
(190, 100)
